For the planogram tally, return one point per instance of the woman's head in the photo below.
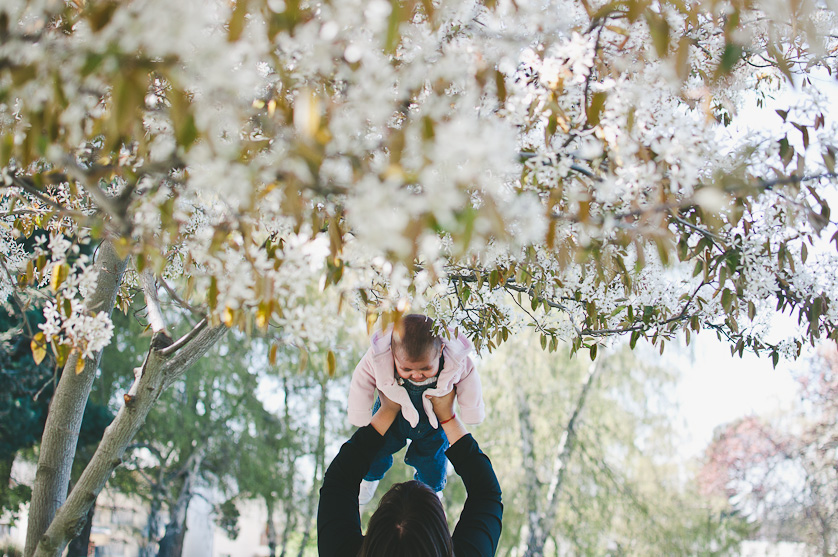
(409, 522)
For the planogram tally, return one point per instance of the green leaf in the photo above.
(186, 132)
(594, 109)
(500, 86)
(659, 29)
(39, 347)
(393, 25)
(58, 276)
(303, 364)
(829, 158)
(212, 293)
(331, 363)
(816, 311)
(730, 57)
(237, 21)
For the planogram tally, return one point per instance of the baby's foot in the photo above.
(367, 491)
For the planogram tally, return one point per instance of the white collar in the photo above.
(428, 381)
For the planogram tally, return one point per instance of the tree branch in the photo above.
(185, 339)
(159, 371)
(155, 314)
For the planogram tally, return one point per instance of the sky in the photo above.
(716, 388)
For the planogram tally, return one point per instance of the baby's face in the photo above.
(418, 370)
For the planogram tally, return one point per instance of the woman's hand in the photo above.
(443, 405)
(444, 410)
(386, 415)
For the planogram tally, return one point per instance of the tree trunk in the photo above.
(540, 530)
(290, 524)
(288, 499)
(320, 457)
(164, 364)
(61, 431)
(172, 543)
(81, 544)
(153, 524)
(270, 527)
(532, 484)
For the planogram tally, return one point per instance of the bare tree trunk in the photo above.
(164, 364)
(61, 431)
(172, 543)
(540, 531)
(153, 524)
(532, 484)
(81, 544)
(270, 527)
(320, 457)
(287, 529)
(290, 517)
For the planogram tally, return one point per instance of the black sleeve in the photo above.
(338, 520)
(478, 530)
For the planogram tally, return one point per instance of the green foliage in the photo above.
(623, 491)
(228, 518)
(8, 549)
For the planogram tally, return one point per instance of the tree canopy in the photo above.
(442, 154)
(470, 159)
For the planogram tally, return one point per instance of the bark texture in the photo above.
(164, 364)
(61, 431)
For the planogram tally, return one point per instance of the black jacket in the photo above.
(339, 522)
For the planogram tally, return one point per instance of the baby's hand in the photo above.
(443, 405)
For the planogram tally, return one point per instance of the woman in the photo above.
(410, 520)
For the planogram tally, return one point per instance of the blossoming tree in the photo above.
(568, 157)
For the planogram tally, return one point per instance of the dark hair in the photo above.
(409, 522)
(414, 336)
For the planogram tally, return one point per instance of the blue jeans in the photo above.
(426, 452)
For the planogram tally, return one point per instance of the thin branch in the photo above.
(23, 184)
(178, 300)
(768, 184)
(200, 340)
(715, 239)
(184, 340)
(682, 316)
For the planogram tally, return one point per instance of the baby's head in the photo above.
(416, 349)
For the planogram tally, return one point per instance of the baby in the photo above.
(408, 364)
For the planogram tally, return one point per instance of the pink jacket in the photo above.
(376, 371)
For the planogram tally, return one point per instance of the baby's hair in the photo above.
(414, 336)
